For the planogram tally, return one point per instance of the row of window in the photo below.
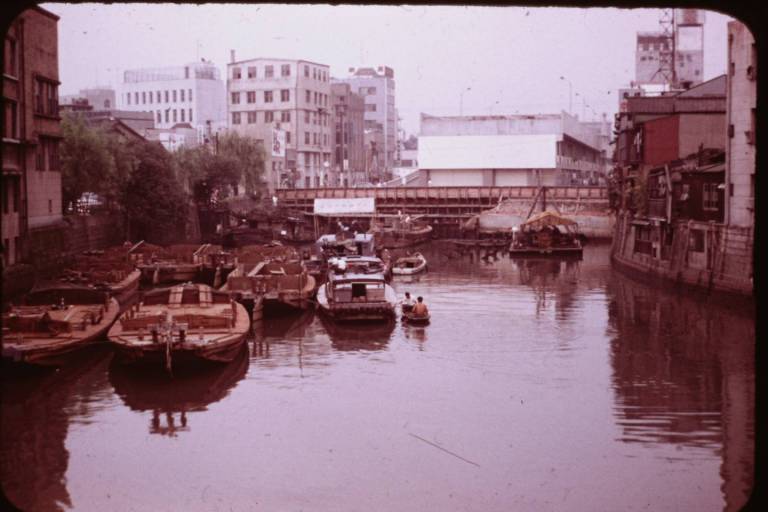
(310, 117)
(315, 97)
(10, 119)
(171, 115)
(150, 97)
(285, 70)
(11, 194)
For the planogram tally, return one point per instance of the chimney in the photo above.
(231, 56)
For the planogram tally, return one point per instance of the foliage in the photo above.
(155, 202)
(211, 172)
(85, 159)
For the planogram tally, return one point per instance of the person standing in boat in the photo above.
(407, 303)
(420, 309)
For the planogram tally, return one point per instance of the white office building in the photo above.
(191, 94)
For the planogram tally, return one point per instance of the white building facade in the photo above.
(377, 86)
(519, 150)
(290, 101)
(193, 93)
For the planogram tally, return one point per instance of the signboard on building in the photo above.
(278, 142)
(345, 205)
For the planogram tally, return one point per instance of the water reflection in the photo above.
(171, 398)
(38, 407)
(684, 374)
(358, 336)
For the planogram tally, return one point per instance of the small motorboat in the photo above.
(409, 318)
(409, 265)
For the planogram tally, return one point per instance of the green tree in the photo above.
(155, 203)
(85, 159)
(247, 157)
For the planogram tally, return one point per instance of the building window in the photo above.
(46, 97)
(167, 113)
(696, 242)
(11, 124)
(308, 96)
(251, 117)
(269, 71)
(269, 116)
(306, 71)
(285, 70)
(306, 138)
(143, 98)
(314, 73)
(53, 155)
(710, 196)
(285, 116)
(287, 137)
(267, 96)
(40, 155)
(190, 115)
(182, 95)
(235, 98)
(370, 107)
(158, 97)
(174, 95)
(235, 117)
(306, 159)
(643, 239)
(306, 116)
(128, 98)
(236, 73)
(285, 95)
(166, 96)
(250, 96)
(190, 94)
(251, 71)
(136, 97)
(11, 57)
(159, 117)
(174, 115)
(182, 115)
(149, 98)
(50, 206)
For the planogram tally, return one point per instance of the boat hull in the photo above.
(409, 318)
(182, 354)
(55, 351)
(380, 311)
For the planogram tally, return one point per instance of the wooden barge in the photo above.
(181, 325)
(54, 322)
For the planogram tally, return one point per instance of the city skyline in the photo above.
(490, 60)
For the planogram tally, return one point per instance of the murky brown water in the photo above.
(539, 385)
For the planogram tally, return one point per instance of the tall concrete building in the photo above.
(515, 150)
(741, 113)
(286, 104)
(377, 86)
(193, 93)
(679, 47)
(31, 177)
(348, 156)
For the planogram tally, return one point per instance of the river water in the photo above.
(539, 385)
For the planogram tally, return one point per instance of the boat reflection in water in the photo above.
(166, 396)
(358, 336)
(37, 409)
(683, 375)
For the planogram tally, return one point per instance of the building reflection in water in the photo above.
(35, 413)
(683, 374)
(551, 279)
(170, 398)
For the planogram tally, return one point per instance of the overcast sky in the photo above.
(512, 58)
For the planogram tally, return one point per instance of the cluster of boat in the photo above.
(203, 298)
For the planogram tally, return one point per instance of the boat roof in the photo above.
(548, 218)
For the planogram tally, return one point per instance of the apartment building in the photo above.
(191, 94)
(348, 156)
(289, 101)
(377, 86)
(31, 177)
